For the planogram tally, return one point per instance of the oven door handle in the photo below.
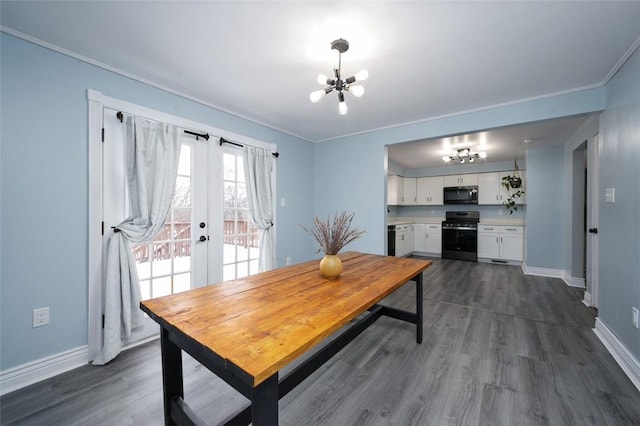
(461, 228)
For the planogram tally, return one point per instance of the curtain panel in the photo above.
(258, 167)
(152, 153)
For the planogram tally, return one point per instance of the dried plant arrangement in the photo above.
(334, 234)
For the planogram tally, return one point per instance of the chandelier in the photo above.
(337, 83)
(464, 154)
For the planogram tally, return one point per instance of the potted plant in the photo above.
(513, 184)
(333, 235)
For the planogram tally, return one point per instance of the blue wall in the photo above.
(44, 201)
(350, 173)
(545, 202)
(619, 233)
(44, 186)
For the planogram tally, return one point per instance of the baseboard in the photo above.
(629, 364)
(41, 369)
(573, 281)
(542, 272)
(587, 299)
(554, 273)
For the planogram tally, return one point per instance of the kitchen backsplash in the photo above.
(486, 212)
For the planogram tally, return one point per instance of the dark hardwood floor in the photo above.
(500, 348)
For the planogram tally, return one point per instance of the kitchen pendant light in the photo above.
(464, 154)
(338, 84)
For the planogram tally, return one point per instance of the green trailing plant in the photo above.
(513, 185)
(335, 233)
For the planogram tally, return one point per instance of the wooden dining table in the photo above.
(247, 330)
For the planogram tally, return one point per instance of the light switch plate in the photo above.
(610, 195)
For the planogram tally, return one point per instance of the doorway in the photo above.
(593, 203)
(584, 219)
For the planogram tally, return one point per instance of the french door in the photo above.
(206, 238)
(177, 258)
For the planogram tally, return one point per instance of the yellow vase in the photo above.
(330, 266)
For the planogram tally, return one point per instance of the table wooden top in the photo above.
(263, 322)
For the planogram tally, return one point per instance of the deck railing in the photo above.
(182, 241)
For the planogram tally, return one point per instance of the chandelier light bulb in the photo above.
(362, 75)
(462, 160)
(322, 79)
(482, 154)
(471, 159)
(357, 90)
(446, 158)
(316, 95)
(342, 108)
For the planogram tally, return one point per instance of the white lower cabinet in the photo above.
(500, 242)
(404, 240)
(428, 238)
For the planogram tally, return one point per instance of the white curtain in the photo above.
(152, 151)
(258, 165)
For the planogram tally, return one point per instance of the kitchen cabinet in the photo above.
(491, 191)
(461, 180)
(428, 238)
(429, 191)
(500, 242)
(405, 240)
(409, 188)
(394, 190)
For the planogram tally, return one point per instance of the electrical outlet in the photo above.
(634, 317)
(40, 317)
(288, 260)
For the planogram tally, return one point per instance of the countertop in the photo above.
(410, 220)
(489, 221)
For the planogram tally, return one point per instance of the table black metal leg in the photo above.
(419, 308)
(264, 403)
(172, 387)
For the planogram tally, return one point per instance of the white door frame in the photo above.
(96, 102)
(593, 156)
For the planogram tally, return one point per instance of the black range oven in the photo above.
(460, 236)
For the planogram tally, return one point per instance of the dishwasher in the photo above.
(391, 240)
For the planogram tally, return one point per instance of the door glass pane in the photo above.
(181, 282)
(164, 265)
(241, 245)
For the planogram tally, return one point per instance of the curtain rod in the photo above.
(223, 140)
(205, 136)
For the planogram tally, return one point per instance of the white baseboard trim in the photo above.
(629, 364)
(554, 273)
(587, 299)
(41, 369)
(573, 281)
(542, 272)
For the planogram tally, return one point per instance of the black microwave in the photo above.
(461, 195)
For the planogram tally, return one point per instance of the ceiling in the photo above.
(259, 60)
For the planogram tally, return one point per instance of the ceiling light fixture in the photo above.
(464, 154)
(338, 84)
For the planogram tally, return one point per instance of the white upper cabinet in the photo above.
(461, 180)
(394, 190)
(409, 192)
(491, 191)
(429, 191)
